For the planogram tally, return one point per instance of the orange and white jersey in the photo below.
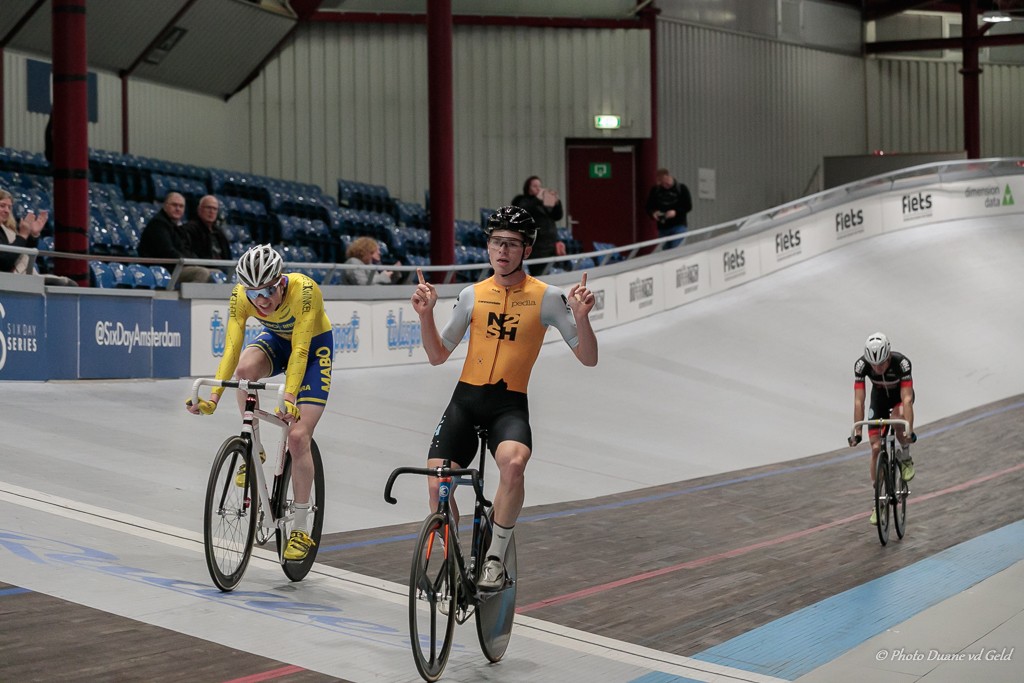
(506, 329)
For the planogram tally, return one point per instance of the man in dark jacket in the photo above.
(668, 203)
(165, 237)
(205, 235)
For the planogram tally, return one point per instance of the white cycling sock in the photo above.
(301, 521)
(500, 537)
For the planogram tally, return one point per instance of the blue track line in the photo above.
(800, 642)
(693, 489)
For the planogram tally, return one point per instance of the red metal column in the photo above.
(70, 137)
(441, 138)
(647, 152)
(972, 77)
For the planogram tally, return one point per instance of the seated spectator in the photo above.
(204, 232)
(366, 251)
(23, 234)
(165, 237)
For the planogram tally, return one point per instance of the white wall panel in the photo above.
(762, 114)
(25, 130)
(917, 106)
(185, 127)
(359, 93)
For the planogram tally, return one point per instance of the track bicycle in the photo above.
(237, 516)
(891, 490)
(442, 581)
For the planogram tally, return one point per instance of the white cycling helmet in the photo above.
(876, 349)
(259, 266)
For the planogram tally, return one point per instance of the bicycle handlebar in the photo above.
(436, 472)
(877, 423)
(243, 384)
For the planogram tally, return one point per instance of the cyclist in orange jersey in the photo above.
(507, 316)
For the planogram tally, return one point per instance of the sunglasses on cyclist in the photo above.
(267, 291)
(499, 242)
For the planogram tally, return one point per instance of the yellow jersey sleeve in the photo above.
(299, 318)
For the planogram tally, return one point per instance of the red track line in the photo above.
(268, 675)
(700, 562)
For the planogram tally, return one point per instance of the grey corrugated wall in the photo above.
(351, 101)
(758, 112)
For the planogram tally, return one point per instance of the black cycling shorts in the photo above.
(882, 402)
(505, 414)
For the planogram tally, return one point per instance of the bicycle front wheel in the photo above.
(882, 498)
(497, 610)
(229, 521)
(284, 494)
(899, 501)
(432, 604)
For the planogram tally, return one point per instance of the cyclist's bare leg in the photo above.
(253, 365)
(899, 414)
(511, 458)
(876, 447)
(299, 437)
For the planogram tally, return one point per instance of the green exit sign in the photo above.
(601, 170)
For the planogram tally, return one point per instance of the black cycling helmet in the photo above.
(514, 219)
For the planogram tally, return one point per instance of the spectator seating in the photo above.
(470, 234)
(127, 190)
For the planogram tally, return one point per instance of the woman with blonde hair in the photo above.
(366, 251)
(23, 234)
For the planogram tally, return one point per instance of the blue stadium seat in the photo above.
(101, 275)
(140, 277)
(218, 276)
(121, 276)
(161, 276)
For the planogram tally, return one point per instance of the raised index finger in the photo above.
(583, 280)
(419, 274)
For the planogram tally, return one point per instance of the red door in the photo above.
(601, 193)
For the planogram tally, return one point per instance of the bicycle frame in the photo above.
(887, 480)
(448, 480)
(251, 436)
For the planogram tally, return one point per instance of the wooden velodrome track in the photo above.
(731, 539)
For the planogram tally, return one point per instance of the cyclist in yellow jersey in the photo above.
(298, 341)
(507, 316)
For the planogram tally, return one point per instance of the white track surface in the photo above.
(756, 375)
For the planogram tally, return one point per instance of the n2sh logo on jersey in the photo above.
(503, 325)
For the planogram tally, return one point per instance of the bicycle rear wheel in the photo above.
(229, 521)
(882, 497)
(899, 500)
(432, 583)
(296, 570)
(497, 610)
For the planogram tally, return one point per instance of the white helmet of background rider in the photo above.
(876, 349)
(259, 266)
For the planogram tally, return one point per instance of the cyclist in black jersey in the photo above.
(507, 316)
(892, 396)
